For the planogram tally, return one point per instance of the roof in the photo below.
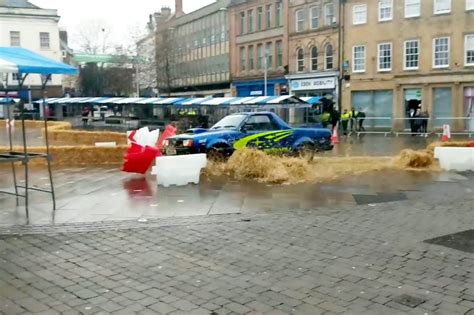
(20, 60)
(18, 4)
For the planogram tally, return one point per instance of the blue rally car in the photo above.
(261, 130)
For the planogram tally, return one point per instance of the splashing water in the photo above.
(248, 164)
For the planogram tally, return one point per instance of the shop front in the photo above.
(275, 87)
(311, 84)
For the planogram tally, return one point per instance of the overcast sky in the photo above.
(120, 15)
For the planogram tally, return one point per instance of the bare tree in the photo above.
(93, 36)
(166, 60)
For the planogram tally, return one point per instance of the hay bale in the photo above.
(415, 159)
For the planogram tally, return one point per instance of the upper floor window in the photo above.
(250, 21)
(299, 18)
(15, 40)
(269, 53)
(385, 10)
(441, 52)
(260, 56)
(259, 19)
(329, 18)
(44, 40)
(469, 50)
(314, 15)
(269, 16)
(442, 6)
(412, 8)
(385, 57)
(314, 59)
(300, 60)
(412, 54)
(279, 13)
(279, 50)
(251, 58)
(469, 5)
(243, 60)
(358, 59)
(359, 14)
(329, 57)
(242, 23)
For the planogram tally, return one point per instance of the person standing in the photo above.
(85, 115)
(360, 119)
(345, 117)
(353, 119)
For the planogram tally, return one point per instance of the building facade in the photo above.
(314, 48)
(23, 24)
(192, 52)
(399, 54)
(259, 45)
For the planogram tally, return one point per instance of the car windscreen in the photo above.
(229, 122)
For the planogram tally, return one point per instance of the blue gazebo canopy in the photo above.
(20, 60)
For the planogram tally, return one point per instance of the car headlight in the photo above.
(166, 143)
(188, 143)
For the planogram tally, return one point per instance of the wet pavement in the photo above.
(335, 257)
(106, 194)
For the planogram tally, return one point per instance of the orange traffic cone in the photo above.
(446, 133)
(335, 134)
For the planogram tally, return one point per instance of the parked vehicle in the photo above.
(261, 130)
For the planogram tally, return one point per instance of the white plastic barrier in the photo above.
(455, 159)
(179, 170)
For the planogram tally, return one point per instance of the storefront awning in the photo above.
(312, 100)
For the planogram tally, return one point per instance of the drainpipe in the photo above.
(341, 52)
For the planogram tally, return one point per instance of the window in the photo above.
(359, 14)
(251, 58)
(385, 10)
(441, 52)
(260, 56)
(259, 19)
(329, 14)
(279, 49)
(412, 54)
(242, 23)
(314, 13)
(260, 122)
(314, 59)
(300, 60)
(269, 53)
(15, 39)
(469, 5)
(385, 57)
(299, 20)
(329, 57)
(279, 13)
(469, 50)
(15, 76)
(250, 21)
(243, 60)
(442, 6)
(44, 40)
(358, 59)
(269, 16)
(412, 8)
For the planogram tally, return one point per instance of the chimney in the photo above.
(178, 8)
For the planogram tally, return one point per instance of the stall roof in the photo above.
(312, 100)
(8, 100)
(169, 101)
(219, 101)
(149, 100)
(193, 101)
(20, 60)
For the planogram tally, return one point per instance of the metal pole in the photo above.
(136, 78)
(265, 93)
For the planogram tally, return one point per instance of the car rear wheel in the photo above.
(306, 151)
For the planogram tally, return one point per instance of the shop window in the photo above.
(300, 60)
(329, 57)
(377, 105)
(442, 107)
(314, 59)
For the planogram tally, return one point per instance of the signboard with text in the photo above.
(313, 84)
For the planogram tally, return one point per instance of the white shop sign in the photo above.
(313, 84)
